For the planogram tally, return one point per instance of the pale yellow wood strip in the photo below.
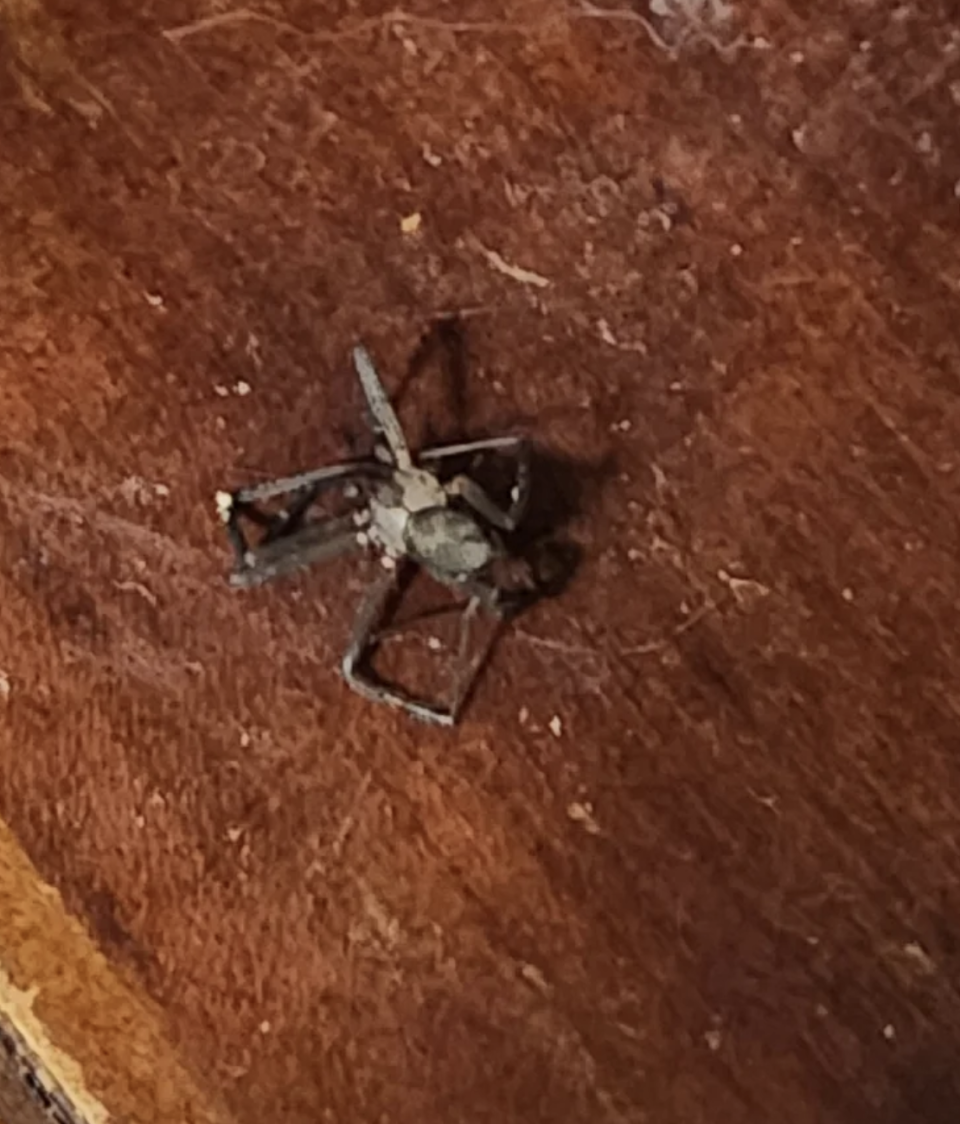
(95, 1034)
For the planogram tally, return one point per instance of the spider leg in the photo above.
(274, 526)
(473, 494)
(483, 595)
(321, 477)
(384, 418)
(291, 520)
(255, 564)
(441, 452)
(238, 540)
(319, 541)
(370, 614)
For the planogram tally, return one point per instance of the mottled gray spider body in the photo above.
(405, 511)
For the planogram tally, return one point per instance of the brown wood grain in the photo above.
(693, 854)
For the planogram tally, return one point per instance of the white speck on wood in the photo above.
(583, 815)
(532, 974)
(508, 269)
(224, 502)
(742, 587)
(659, 477)
(606, 334)
(918, 955)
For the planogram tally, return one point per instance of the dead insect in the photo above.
(405, 510)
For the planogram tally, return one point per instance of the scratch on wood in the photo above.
(508, 269)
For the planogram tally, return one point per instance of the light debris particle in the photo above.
(532, 974)
(583, 815)
(713, 1039)
(605, 334)
(242, 389)
(889, 1032)
(4, 685)
(659, 477)
(740, 587)
(514, 272)
(224, 502)
(916, 953)
(556, 726)
(410, 224)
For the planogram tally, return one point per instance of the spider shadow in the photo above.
(561, 488)
(542, 556)
(445, 342)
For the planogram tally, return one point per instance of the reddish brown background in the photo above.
(727, 891)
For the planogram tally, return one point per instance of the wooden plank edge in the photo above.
(94, 1043)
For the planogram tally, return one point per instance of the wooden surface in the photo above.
(693, 854)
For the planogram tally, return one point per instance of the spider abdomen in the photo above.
(448, 540)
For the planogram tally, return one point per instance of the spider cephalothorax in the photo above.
(406, 511)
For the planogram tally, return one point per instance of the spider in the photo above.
(407, 509)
